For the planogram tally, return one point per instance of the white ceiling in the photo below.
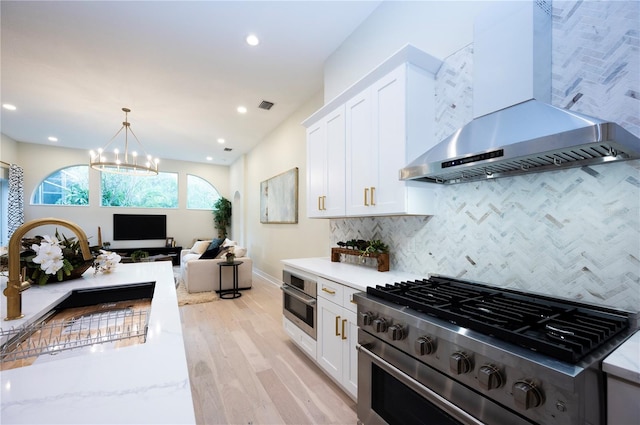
(181, 67)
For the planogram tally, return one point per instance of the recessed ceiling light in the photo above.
(221, 140)
(209, 158)
(9, 106)
(252, 40)
(53, 139)
(242, 109)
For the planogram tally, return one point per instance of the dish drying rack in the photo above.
(51, 337)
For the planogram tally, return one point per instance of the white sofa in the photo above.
(204, 275)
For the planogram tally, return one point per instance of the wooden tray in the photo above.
(382, 259)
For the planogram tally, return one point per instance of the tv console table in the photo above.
(172, 251)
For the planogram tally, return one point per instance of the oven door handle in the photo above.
(296, 294)
(428, 394)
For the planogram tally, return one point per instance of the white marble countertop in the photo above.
(143, 384)
(352, 275)
(624, 362)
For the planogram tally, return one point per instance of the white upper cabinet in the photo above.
(325, 166)
(361, 155)
(388, 120)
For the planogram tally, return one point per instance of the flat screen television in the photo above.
(129, 227)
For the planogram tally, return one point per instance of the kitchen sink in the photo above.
(87, 320)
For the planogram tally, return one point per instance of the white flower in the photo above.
(106, 261)
(48, 255)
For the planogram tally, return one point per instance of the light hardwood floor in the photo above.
(244, 369)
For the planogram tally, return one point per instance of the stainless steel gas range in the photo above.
(448, 351)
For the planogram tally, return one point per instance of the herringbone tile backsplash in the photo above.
(572, 233)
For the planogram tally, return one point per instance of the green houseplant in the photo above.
(139, 255)
(222, 216)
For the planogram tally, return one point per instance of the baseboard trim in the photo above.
(267, 277)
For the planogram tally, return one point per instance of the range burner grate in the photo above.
(565, 330)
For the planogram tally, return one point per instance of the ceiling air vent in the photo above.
(265, 105)
(228, 149)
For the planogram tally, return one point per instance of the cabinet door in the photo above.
(389, 121)
(316, 169)
(350, 354)
(329, 338)
(325, 166)
(333, 204)
(361, 157)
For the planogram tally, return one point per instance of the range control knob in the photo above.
(527, 395)
(380, 325)
(424, 345)
(367, 318)
(489, 377)
(459, 363)
(397, 332)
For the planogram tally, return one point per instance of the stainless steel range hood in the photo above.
(529, 137)
(515, 130)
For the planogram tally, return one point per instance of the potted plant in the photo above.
(51, 259)
(374, 247)
(230, 256)
(222, 216)
(139, 256)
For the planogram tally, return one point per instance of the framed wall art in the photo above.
(279, 198)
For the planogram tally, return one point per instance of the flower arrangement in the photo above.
(230, 256)
(53, 258)
(49, 259)
(106, 261)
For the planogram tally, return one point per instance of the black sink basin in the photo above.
(107, 294)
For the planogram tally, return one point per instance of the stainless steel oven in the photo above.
(399, 390)
(447, 351)
(299, 292)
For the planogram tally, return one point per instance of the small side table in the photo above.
(229, 293)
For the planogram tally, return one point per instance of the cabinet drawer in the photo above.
(347, 300)
(330, 290)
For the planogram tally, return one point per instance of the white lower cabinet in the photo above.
(300, 338)
(338, 334)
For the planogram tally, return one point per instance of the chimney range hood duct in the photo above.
(515, 130)
(529, 137)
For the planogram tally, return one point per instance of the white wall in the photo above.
(184, 225)
(238, 194)
(8, 149)
(440, 28)
(282, 150)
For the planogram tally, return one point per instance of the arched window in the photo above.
(67, 186)
(119, 190)
(201, 194)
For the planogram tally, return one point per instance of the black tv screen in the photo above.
(129, 227)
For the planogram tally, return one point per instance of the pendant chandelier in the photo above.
(123, 161)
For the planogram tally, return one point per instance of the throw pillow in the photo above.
(239, 251)
(200, 247)
(216, 243)
(210, 253)
(223, 252)
(229, 242)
